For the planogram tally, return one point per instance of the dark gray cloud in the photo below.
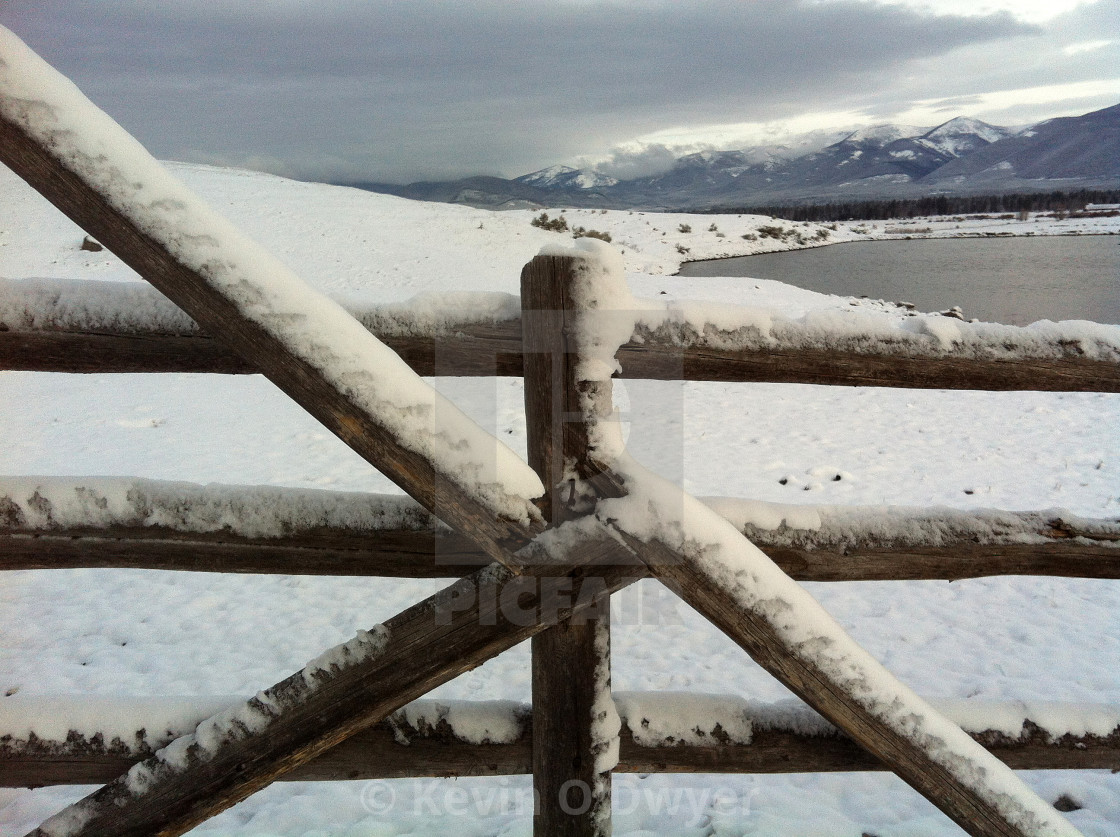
(391, 90)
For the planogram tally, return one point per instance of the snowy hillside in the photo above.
(146, 633)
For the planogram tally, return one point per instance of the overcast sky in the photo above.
(400, 90)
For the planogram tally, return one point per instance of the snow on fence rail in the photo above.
(53, 740)
(55, 325)
(69, 522)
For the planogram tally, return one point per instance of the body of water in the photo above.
(1014, 280)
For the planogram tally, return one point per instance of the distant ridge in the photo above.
(959, 157)
(1064, 148)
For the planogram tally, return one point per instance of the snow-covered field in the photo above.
(149, 633)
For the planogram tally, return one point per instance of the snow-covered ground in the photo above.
(148, 633)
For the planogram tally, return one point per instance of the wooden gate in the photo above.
(584, 520)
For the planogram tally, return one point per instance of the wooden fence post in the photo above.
(571, 661)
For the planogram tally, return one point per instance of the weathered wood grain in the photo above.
(573, 798)
(378, 753)
(848, 368)
(474, 350)
(394, 553)
(496, 350)
(412, 554)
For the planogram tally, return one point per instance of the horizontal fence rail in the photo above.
(69, 326)
(67, 523)
(419, 741)
(402, 553)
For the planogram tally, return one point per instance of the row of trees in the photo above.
(1057, 201)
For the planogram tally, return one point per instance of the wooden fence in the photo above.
(297, 724)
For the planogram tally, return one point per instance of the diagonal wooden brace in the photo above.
(98, 185)
(235, 754)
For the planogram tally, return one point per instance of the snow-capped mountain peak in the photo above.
(548, 176)
(884, 134)
(968, 125)
(963, 134)
(566, 177)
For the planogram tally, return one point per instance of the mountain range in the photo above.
(961, 156)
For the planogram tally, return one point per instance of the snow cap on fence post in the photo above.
(604, 320)
(604, 305)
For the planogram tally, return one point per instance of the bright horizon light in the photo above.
(1032, 11)
(1072, 95)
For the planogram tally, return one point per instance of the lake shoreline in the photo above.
(917, 236)
(999, 278)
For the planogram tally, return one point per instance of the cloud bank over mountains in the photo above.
(963, 156)
(392, 91)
